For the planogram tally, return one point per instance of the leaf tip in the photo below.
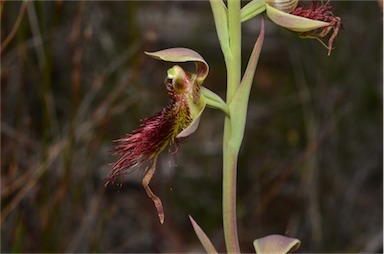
(276, 244)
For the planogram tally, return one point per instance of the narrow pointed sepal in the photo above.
(293, 22)
(214, 101)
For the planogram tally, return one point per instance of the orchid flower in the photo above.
(177, 120)
(315, 21)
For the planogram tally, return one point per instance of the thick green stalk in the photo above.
(233, 60)
(228, 27)
(230, 153)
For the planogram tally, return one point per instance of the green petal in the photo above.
(196, 119)
(184, 55)
(293, 22)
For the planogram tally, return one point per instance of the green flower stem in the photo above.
(220, 12)
(230, 155)
(228, 27)
(233, 61)
(230, 152)
(233, 136)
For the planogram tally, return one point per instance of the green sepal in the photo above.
(252, 9)
(214, 101)
(293, 22)
(178, 55)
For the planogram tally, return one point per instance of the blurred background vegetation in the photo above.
(74, 78)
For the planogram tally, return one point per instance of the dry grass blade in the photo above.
(10, 132)
(38, 169)
(15, 27)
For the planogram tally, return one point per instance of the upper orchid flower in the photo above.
(315, 21)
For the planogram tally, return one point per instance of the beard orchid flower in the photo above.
(177, 120)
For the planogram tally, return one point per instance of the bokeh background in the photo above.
(74, 78)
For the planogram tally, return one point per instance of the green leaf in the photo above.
(207, 244)
(252, 9)
(276, 244)
(220, 15)
(239, 104)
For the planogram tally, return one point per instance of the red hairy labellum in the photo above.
(153, 136)
(321, 12)
(316, 11)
